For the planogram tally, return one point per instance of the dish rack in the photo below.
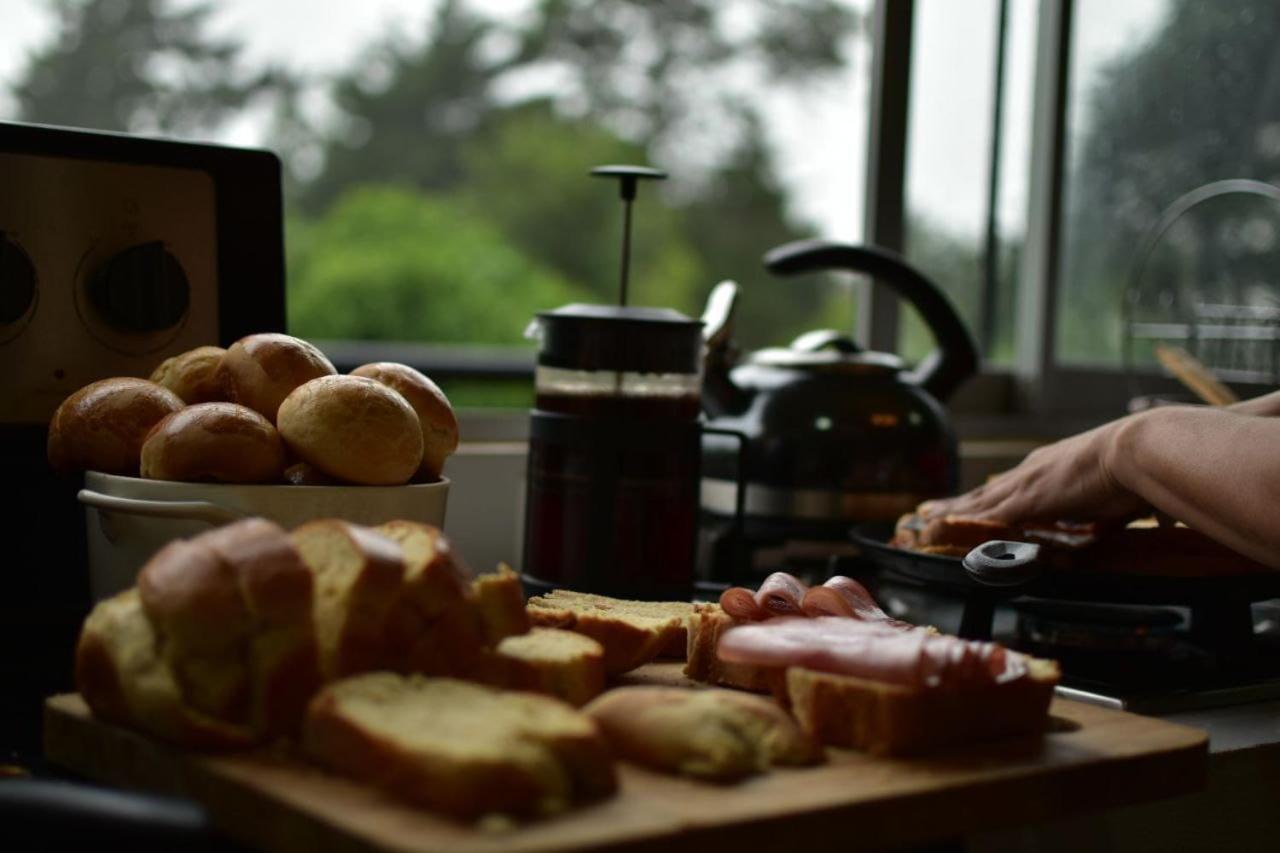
(1206, 279)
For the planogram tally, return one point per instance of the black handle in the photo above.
(1003, 564)
(942, 371)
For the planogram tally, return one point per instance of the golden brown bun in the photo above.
(354, 429)
(259, 371)
(102, 426)
(459, 748)
(708, 734)
(190, 375)
(439, 425)
(214, 442)
(889, 719)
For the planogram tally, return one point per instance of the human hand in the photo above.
(1069, 480)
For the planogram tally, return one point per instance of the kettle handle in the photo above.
(954, 360)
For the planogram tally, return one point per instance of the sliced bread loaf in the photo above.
(359, 580)
(564, 664)
(123, 678)
(632, 632)
(460, 748)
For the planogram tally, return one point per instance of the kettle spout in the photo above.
(719, 395)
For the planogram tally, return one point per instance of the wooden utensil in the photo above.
(1188, 370)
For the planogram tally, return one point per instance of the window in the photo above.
(967, 162)
(1165, 98)
(437, 153)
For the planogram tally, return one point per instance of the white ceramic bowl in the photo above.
(129, 519)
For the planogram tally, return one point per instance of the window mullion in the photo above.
(886, 162)
(1039, 273)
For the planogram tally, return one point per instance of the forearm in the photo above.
(1267, 406)
(1216, 470)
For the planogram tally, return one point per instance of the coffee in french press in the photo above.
(614, 444)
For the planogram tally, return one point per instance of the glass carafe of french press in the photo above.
(614, 445)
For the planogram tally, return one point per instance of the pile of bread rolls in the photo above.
(269, 409)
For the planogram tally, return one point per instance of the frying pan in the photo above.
(999, 571)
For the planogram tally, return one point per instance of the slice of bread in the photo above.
(500, 599)
(437, 628)
(888, 719)
(706, 625)
(359, 580)
(632, 632)
(277, 589)
(564, 664)
(713, 734)
(123, 678)
(460, 748)
(193, 600)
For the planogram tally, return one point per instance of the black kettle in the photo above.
(823, 433)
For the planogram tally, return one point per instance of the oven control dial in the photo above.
(140, 289)
(17, 281)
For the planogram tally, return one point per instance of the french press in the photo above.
(614, 442)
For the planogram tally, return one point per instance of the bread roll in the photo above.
(259, 371)
(102, 426)
(214, 442)
(439, 425)
(353, 428)
(719, 735)
(190, 375)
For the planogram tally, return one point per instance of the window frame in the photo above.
(1037, 397)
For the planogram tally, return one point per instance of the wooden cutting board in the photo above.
(1093, 759)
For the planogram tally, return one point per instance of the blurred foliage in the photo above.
(445, 196)
(137, 65)
(390, 263)
(1195, 102)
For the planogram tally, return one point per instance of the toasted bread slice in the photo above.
(706, 625)
(123, 678)
(888, 719)
(359, 579)
(500, 599)
(564, 664)
(711, 734)
(632, 632)
(460, 748)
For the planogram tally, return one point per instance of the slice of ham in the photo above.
(873, 650)
(740, 603)
(842, 596)
(781, 594)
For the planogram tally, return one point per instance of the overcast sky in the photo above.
(820, 135)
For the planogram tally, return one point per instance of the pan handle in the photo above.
(1004, 564)
(187, 510)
